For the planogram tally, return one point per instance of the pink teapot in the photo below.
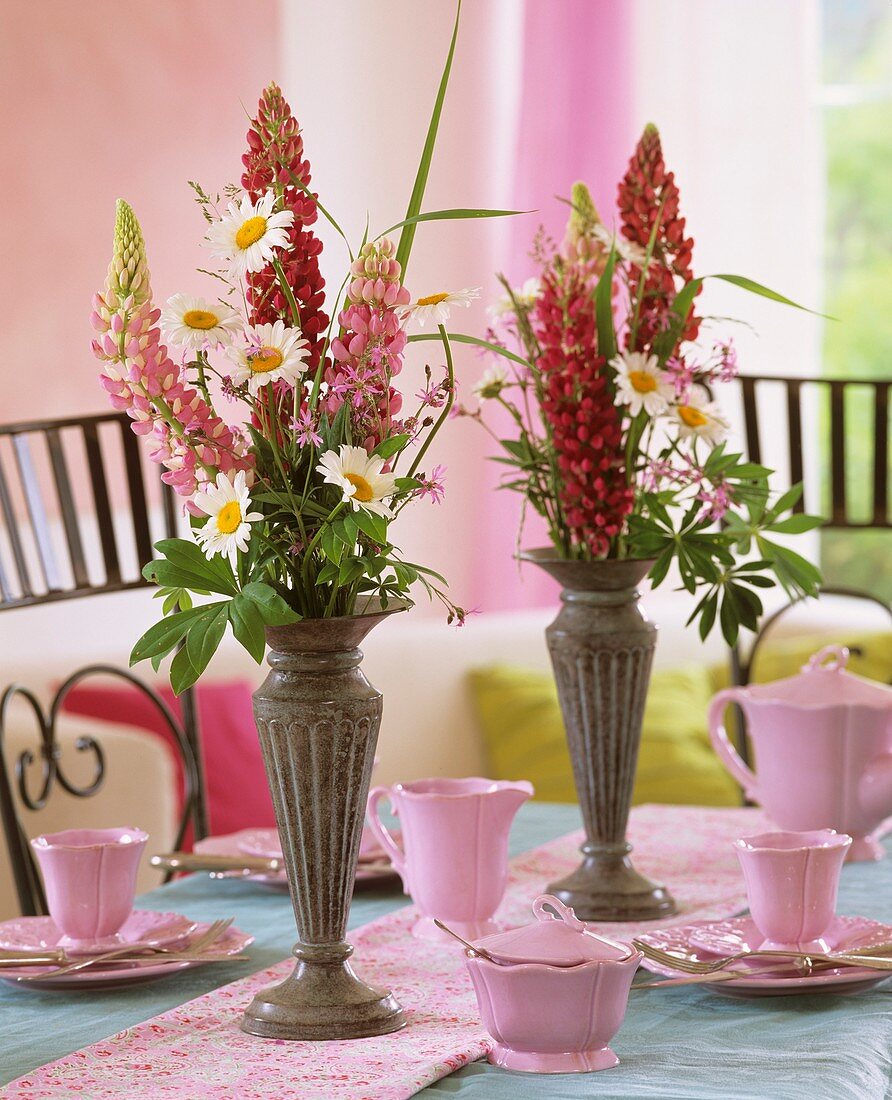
(822, 746)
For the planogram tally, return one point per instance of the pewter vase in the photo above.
(317, 717)
(602, 647)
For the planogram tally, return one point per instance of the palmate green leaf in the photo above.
(797, 525)
(407, 236)
(182, 672)
(247, 626)
(204, 635)
(161, 638)
(453, 215)
(169, 575)
(464, 338)
(373, 525)
(187, 555)
(274, 610)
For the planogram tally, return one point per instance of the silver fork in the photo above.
(801, 959)
(194, 951)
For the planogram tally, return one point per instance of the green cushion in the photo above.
(524, 737)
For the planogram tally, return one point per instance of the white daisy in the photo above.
(248, 234)
(274, 352)
(437, 307)
(641, 384)
(627, 250)
(359, 475)
(227, 504)
(700, 417)
(525, 296)
(197, 324)
(492, 382)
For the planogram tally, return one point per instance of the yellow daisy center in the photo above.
(200, 318)
(642, 382)
(229, 517)
(692, 417)
(250, 232)
(265, 360)
(433, 299)
(364, 491)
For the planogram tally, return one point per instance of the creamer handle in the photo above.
(390, 846)
(728, 755)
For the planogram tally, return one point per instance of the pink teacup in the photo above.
(791, 885)
(90, 880)
(454, 860)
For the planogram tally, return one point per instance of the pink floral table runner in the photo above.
(198, 1050)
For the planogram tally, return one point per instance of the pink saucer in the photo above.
(727, 937)
(765, 982)
(232, 942)
(266, 844)
(143, 927)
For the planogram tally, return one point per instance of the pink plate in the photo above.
(764, 981)
(379, 875)
(231, 942)
(143, 926)
(727, 937)
(266, 844)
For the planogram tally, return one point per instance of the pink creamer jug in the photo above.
(822, 748)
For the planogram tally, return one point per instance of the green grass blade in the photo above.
(452, 215)
(462, 338)
(408, 234)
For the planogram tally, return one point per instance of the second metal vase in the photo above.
(601, 647)
(317, 717)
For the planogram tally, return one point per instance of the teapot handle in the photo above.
(563, 912)
(838, 654)
(728, 755)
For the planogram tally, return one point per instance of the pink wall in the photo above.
(101, 100)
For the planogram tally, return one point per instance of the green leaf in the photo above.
(463, 338)
(182, 672)
(247, 626)
(204, 635)
(186, 555)
(452, 215)
(407, 236)
(797, 525)
(766, 292)
(388, 447)
(161, 638)
(604, 309)
(373, 525)
(274, 610)
(406, 484)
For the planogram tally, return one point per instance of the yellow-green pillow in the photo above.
(524, 737)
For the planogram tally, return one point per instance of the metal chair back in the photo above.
(57, 495)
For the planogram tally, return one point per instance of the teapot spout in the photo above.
(875, 788)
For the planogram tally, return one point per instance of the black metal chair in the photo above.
(832, 464)
(44, 560)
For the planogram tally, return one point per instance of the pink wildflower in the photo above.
(304, 429)
(717, 501)
(434, 485)
(682, 375)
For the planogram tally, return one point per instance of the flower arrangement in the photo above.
(290, 509)
(618, 442)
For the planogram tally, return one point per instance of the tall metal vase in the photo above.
(317, 717)
(602, 647)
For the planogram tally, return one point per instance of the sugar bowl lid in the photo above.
(556, 938)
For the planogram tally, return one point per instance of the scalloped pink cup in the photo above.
(791, 885)
(90, 880)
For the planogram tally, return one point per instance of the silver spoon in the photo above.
(481, 952)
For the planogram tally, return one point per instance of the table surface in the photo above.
(678, 1043)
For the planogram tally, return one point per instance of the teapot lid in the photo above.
(556, 938)
(823, 681)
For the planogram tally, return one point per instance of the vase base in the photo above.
(610, 889)
(321, 1002)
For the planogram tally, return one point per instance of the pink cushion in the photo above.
(238, 796)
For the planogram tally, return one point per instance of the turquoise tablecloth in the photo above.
(680, 1043)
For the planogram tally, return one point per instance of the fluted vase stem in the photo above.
(601, 646)
(317, 718)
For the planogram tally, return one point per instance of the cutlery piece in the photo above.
(51, 957)
(192, 951)
(479, 951)
(803, 961)
(195, 861)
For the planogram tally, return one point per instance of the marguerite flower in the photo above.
(641, 384)
(525, 296)
(358, 473)
(197, 324)
(491, 383)
(228, 528)
(248, 234)
(700, 417)
(627, 250)
(437, 307)
(274, 352)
